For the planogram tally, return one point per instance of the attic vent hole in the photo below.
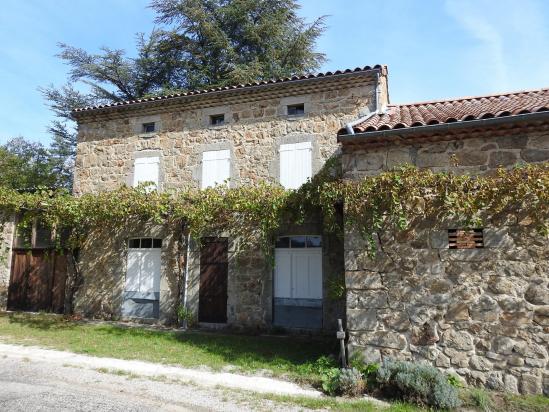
(465, 238)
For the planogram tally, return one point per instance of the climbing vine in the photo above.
(254, 213)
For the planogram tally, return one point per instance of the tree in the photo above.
(220, 42)
(26, 165)
(200, 44)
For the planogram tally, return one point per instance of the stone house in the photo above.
(279, 131)
(481, 311)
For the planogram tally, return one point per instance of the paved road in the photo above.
(31, 385)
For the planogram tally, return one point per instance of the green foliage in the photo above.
(395, 200)
(330, 381)
(419, 383)
(481, 399)
(26, 165)
(185, 315)
(253, 214)
(219, 42)
(454, 381)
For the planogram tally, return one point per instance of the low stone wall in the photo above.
(7, 229)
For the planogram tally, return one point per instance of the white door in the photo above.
(298, 273)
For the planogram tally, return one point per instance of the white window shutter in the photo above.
(295, 164)
(132, 271)
(146, 169)
(216, 167)
(283, 274)
(150, 271)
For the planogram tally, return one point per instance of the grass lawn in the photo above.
(293, 357)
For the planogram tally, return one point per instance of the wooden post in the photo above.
(341, 336)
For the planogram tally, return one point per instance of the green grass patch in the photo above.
(340, 404)
(293, 357)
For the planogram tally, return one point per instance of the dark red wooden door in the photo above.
(37, 281)
(214, 269)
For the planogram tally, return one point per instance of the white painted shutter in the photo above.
(146, 169)
(132, 271)
(150, 271)
(283, 274)
(295, 164)
(314, 283)
(143, 270)
(298, 273)
(216, 167)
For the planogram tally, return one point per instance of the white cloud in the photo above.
(512, 42)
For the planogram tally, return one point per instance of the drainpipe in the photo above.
(186, 272)
(379, 110)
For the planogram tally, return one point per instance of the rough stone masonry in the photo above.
(481, 313)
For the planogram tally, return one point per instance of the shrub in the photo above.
(330, 381)
(420, 383)
(351, 382)
(368, 370)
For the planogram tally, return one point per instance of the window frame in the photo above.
(305, 244)
(297, 108)
(214, 119)
(145, 126)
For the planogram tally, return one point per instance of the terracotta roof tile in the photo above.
(239, 86)
(456, 110)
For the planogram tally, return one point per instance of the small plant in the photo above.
(454, 381)
(419, 383)
(367, 369)
(330, 381)
(185, 316)
(351, 382)
(481, 399)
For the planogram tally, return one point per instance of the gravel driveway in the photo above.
(34, 385)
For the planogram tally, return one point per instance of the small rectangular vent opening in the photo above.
(465, 238)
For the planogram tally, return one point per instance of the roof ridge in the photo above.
(297, 77)
(460, 99)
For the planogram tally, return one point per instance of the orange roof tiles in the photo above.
(456, 110)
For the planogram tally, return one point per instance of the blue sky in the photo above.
(434, 48)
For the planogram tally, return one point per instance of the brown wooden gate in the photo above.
(214, 269)
(37, 281)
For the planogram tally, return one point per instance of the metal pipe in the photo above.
(186, 275)
(378, 109)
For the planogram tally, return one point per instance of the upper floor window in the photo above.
(217, 119)
(146, 170)
(295, 164)
(296, 109)
(149, 127)
(216, 167)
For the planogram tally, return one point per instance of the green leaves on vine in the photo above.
(255, 213)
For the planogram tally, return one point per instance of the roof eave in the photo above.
(440, 128)
(82, 112)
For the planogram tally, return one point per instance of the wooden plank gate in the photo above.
(37, 281)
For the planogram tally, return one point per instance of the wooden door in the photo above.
(214, 269)
(37, 281)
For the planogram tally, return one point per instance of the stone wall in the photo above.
(255, 128)
(7, 229)
(469, 155)
(253, 132)
(481, 313)
(102, 267)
